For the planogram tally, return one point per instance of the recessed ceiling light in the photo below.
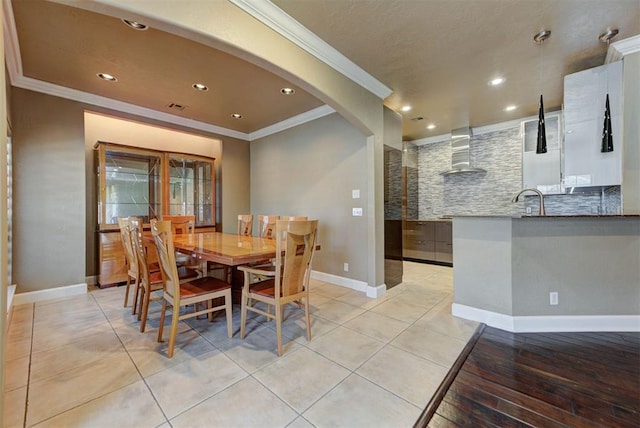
(287, 91)
(510, 108)
(236, 116)
(405, 108)
(497, 81)
(431, 126)
(107, 77)
(135, 24)
(200, 86)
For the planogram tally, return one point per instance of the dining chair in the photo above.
(185, 225)
(132, 262)
(288, 282)
(176, 294)
(245, 224)
(293, 217)
(150, 281)
(267, 225)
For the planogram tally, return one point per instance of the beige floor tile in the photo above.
(14, 406)
(18, 348)
(317, 299)
(360, 299)
(356, 402)
(429, 344)
(130, 406)
(378, 326)
(300, 422)
(296, 328)
(338, 312)
(258, 348)
(400, 310)
(331, 291)
(346, 347)
(301, 377)
(16, 373)
(406, 375)
(78, 386)
(150, 356)
(87, 350)
(245, 404)
(185, 385)
(448, 324)
(54, 335)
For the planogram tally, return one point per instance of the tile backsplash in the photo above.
(490, 192)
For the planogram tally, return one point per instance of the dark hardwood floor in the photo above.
(541, 380)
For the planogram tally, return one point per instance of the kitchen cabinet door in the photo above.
(584, 107)
(542, 171)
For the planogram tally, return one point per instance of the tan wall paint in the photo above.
(631, 136)
(235, 183)
(310, 170)
(49, 189)
(225, 26)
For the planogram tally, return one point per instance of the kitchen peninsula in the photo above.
(508, 269)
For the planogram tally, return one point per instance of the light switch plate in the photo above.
(357, 212)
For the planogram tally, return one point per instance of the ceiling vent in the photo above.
(460, 152)
(176, 106)
(416, 119)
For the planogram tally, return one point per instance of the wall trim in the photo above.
(279, 21)
(50, 293)
(294, 121)
(91, 280)
(619, 49)
(378, 291)
(354, 284)
(549, 323)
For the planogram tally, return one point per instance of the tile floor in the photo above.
(81, 361)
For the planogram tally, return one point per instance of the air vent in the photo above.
(176, 106)
(416, 119)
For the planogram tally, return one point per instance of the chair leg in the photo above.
(145, 310)
(243, 313)
(126, 291)
(162, 313)
(228, 310)
(175, 315)
(136, 294)
(143, 296)
(307, 316)
(278, 311)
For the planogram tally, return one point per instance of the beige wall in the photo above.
(49, 192)
(311, 170)
(631, 136)
(55, 175)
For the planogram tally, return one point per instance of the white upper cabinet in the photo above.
(584, 106)
(542, 171)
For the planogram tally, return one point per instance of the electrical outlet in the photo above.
(346, 267)
(553, 298)
(355, 193)
(357, 212)
(528, 210)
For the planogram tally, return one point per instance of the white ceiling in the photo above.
(435, 55)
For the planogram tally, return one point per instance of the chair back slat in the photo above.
(163, 238)
(136, 230)
(125, 235)
(245, 224)
(295, 245)
(267, 226)
(181, 224)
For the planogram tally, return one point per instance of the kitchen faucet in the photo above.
(517, 195)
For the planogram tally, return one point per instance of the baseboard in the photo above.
(354, 284)
(11, 291)
(378, 291)
(91, 280)
(549, 323)
(50, 293)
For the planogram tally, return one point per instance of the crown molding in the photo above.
(305, 117)
(619, 49)
(276, 19)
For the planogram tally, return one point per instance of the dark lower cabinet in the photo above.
(428, 241)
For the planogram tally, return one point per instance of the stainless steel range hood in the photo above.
(460, 139)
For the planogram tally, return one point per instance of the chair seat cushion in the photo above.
(202, 285)
(186, 273)
(264, 288)
(154, 267)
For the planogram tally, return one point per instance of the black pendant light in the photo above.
(541, 146)
(607, 137)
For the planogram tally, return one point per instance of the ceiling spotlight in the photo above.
(608, 35)
(200, 86)
(236, 116)
(510, 108)
(287, 91)
(107, 77)
(135, 24)
(405, 108)
(431, 126)
(542, 36)
(497, 81)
